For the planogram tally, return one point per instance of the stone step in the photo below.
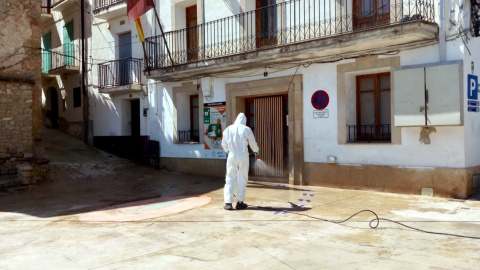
(9, 184)
(9, 181)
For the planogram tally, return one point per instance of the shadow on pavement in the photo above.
(82, 178)
(278, 209)
(67, 192)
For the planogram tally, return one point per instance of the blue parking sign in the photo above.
(472, 83)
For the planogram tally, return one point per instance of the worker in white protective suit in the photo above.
(235, 141)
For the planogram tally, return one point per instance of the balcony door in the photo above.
(124, 74)
(370, 13)
(68, 46)
(192, 33)
(266, 23)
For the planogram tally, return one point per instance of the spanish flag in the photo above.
(136, 8)
(138, 24)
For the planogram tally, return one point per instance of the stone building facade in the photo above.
(20, 91)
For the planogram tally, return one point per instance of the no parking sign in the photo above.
(320, 100)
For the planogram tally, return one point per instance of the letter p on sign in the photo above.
(472, 87)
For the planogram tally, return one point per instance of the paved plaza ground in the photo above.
(97, 211)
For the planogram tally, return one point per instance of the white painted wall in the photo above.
(70, 113)
(453, 146)
(447, 148)
(472, 119)
(111, 113)
(220, 9)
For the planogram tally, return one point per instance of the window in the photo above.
(77, 97)
(188, 130)
(373, 109)
(187, 113)
(370, 13)
(194, 111)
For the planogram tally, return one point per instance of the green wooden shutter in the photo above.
(47, 53)
(68, 46)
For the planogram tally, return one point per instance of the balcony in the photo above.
(120, 76)
(63, 5)
(47, 16)
(61, 60)
(291, 31)
(108, 9)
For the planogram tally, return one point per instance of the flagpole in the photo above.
(141, 37)
(163, 35)
(145, 56)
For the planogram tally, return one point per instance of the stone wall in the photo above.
(20, 90)
(16, 137)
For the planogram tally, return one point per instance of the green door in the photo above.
(68, 47)
(46, 53)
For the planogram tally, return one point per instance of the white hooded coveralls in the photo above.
(236, 139)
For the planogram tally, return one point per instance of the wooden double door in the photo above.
(267, 117)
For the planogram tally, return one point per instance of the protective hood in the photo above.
(241, 119)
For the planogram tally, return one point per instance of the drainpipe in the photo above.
(442, 47)
(84, 90)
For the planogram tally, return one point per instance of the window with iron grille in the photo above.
(192, 134)
(373, 109)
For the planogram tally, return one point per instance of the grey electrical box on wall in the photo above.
(428, 95)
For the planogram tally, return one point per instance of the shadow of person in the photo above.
(293, 208)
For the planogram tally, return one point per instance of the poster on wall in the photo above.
(214, 122)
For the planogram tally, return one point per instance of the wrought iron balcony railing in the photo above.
(63, 56)
(120, 72)
(103, 4)
(369, 133)
(46, 6)
(289, 22)
(189, 135)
